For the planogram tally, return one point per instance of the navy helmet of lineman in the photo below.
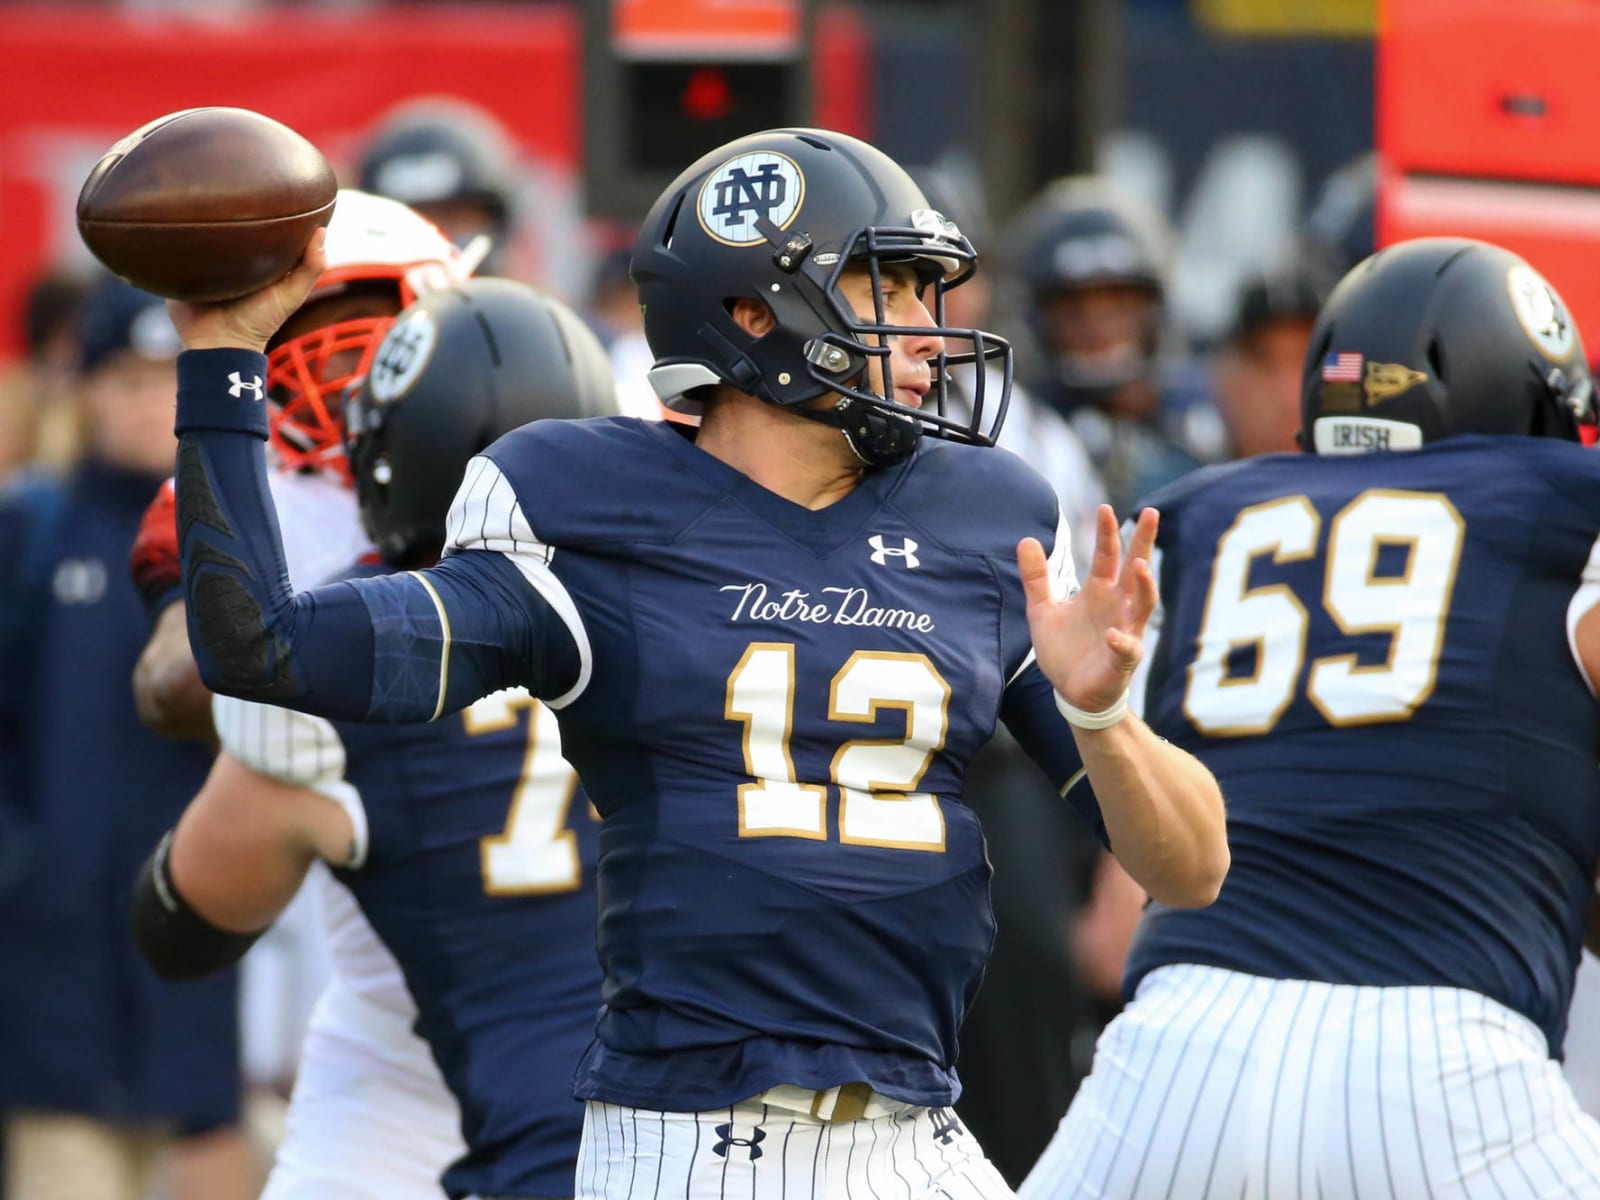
(457, 370)
(1439, 336)
(779, 217)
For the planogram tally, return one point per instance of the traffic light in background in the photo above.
(679, 110)
(667, 80)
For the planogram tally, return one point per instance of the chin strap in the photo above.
(878, 437)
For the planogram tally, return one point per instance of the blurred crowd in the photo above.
(1113, 400)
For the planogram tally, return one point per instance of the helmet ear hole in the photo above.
(751, 314)
(1436, 359)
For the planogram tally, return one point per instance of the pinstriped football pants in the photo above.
(755, 1152)
(1217, 1084)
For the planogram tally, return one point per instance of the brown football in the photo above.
(205, 204)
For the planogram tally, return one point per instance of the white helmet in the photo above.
(370, 240)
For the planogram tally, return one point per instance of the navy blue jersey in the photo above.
(476, 851)
(1372, 655)
(85, 1024)
(771, 706)
(774, 713)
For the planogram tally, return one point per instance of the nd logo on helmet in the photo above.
(745, 190)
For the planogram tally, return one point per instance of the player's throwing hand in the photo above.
(1089, 643)
(250, 321)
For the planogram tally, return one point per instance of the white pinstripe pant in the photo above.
(757, 1152)
(1217, 1084)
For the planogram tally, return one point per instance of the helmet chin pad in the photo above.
(878, 436)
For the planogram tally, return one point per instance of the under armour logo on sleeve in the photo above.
(881, 553)
(238, 386)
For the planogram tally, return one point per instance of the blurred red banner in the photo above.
(78, 77)
(1486, 129)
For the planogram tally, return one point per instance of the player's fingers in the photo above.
(1126, 647)
(1035, 571)
(1145, 594)
(314, 261)
(1140, 543)
(1143, 540)
(278, 301)
(1107, 546)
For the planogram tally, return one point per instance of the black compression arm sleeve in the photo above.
(174, 939)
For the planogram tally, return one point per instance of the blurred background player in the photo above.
(38, 416)
(465, 842)
(1376, 1004)
(1255, 375)
(110, 1076)
(450, 161)
(1090, 262)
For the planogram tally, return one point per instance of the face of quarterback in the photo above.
(910, 353)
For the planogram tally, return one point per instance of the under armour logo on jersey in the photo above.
(751, 1143)
(239, 387)
(945, 1125)
(881, 553)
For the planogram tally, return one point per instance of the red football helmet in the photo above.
(370, 240)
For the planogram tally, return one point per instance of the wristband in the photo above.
(1093, 720)
(224, 389)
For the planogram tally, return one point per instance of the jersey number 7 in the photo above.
(537, 852)
(1409, 607)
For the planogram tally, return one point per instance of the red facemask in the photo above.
(307, 378)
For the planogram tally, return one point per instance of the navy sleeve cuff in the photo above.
(223, 389)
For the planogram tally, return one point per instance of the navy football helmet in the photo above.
(1083, 232)
(439, 152)
(458, 369)
(778, 217)
(1439, 336)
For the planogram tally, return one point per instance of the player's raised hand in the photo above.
(1089, 643)
(250, 321)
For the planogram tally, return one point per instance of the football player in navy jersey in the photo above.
(1387, 651)
(773, 643)
(466, 843)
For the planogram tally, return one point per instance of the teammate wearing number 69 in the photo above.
(1388, 655)
(773, 643)
(466, 845)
